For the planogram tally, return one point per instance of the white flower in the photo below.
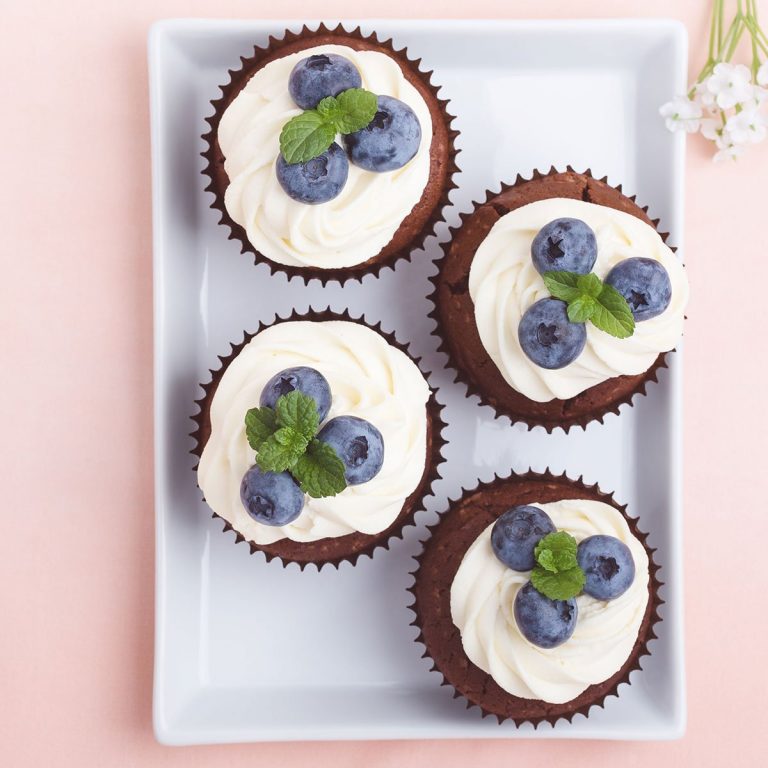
(711, 127)
(682, 114)
(759, 95)
(707, 100)
(731, 84)
(762, 74)
(727, 149)
(746, 127)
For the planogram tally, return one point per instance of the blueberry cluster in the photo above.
(275, 498)
(547, 335)
(387, 143)
(605, 561)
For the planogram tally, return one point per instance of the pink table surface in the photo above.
(76, 555)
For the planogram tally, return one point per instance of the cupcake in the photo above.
(318, 437)
(536, 596)
(557, 300)
(329, 154)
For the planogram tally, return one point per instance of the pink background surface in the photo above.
(76, 554)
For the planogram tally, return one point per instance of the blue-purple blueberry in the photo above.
(644, 283)
(517, 532)
(564, 244)
(544, 622)
(271, 498)
(358, 444)
(389, 141)
(608, 566)
(317, 180)
(308, 381)
(548, 337)
(321, 75)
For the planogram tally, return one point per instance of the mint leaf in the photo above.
(562, 285)
(588, 298)
(558, 550)
(260, 423)
(558, 586)
(281, 450)
(330, 110)
(299, 412)
(581, 309)
(306, 136)
(319, 471)
(557, 574)
(357, 109)
(590, 284)
(612, 314)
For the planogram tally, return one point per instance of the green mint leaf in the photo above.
(357, 109)
(561, 547)
(547, 561)
(590, 284)
(299, 412)
(588, 298)
(319, 471)
(260, 424)
(281, 450)
(330, 109)
(581, 309)
(612, 314)
(306, 136)
(562, 585)
(562, 285)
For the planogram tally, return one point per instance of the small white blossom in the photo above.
(746, 127)
(711, 127)
(703, 96)
(727, 150)
(759, 95)
(682, 114)
(762, 74)
(731, 84)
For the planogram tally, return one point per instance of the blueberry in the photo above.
(389, 141)
(359, 445)
(516, 533)
(608, 565)
(564, 244)
(548, 337)
(307, 380)
(644, 283)
(272, 498)
(318, 180)
(321, 75)
(544, 622)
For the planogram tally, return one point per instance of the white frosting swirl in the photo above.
(351, 228)
(503, 283)
(482, 606)
(369, 378)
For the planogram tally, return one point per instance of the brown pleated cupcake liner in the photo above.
(566, 418)
(351, 546)
(476, 685)
(443, 167)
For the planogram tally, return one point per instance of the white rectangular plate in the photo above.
(249, 651)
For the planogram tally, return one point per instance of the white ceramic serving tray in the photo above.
(250, 651)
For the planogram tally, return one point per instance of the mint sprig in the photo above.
(589, 298)
(309, 134)
(557, 574)
(284, 438)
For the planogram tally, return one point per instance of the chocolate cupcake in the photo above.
(318, 438)
(557, 299)
(536, 596)
(330, 155)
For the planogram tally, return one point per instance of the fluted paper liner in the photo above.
(575, 411)
(427, 213)
(351, 546)
(442, 640)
